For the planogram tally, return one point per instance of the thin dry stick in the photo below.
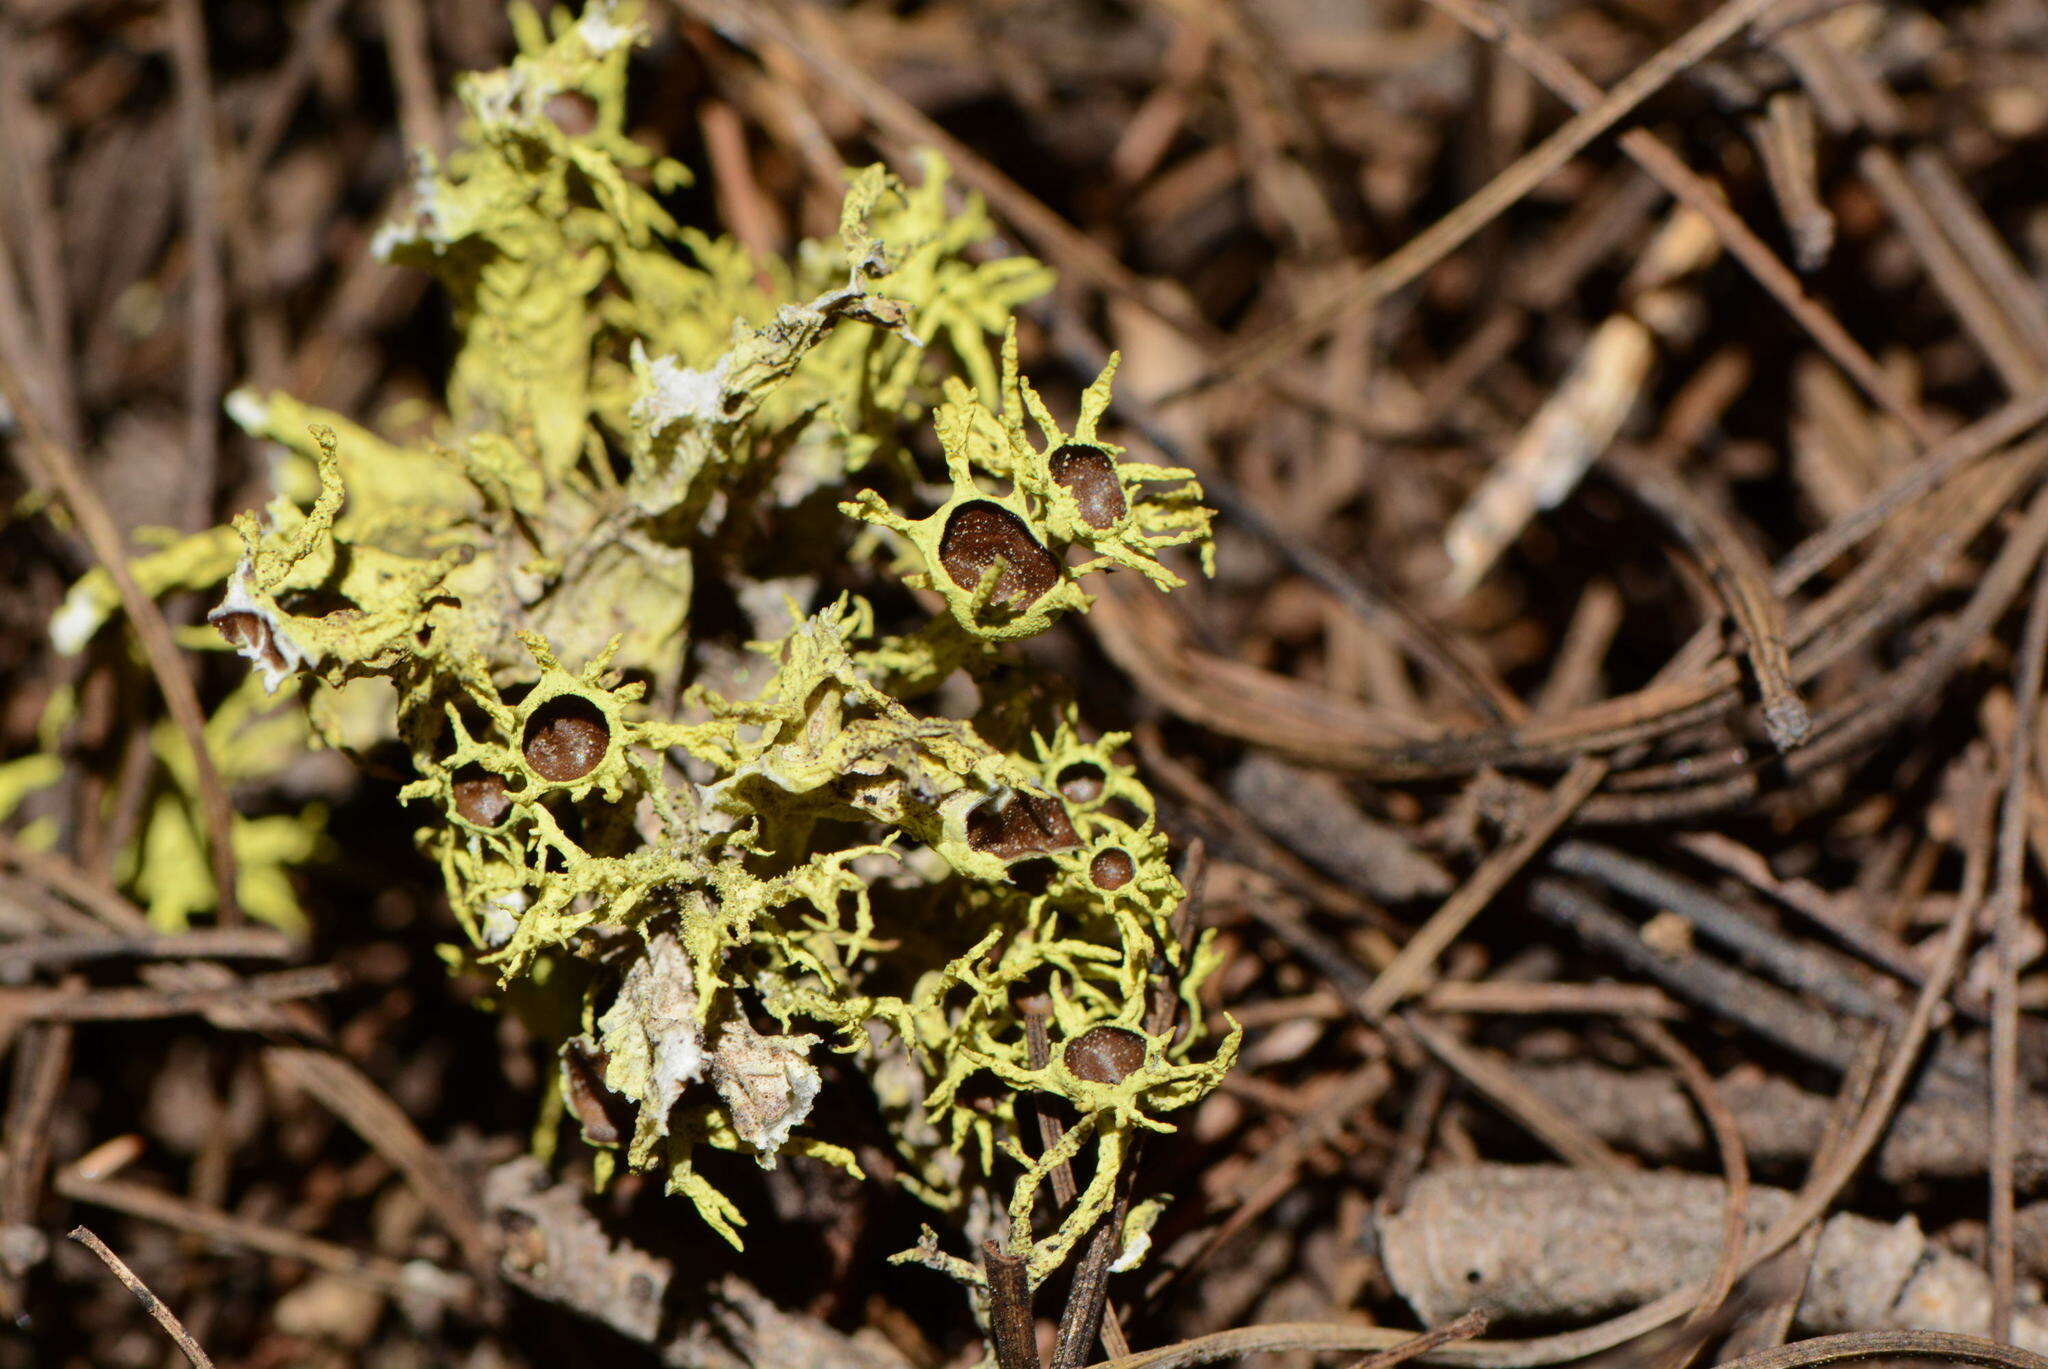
(1544, 1120)
(1742, 579)
(343, 1088)
(63, 878)
(205, 324)
(42, 1067)
(1774, 1325)
(1036, 1011)
(225, 1228)
(136, 1004)
(164, 1316)
(1308, 1336)
(2005, 1006)
(1785, 138)
(1734, 1161)
(1507, 996)
(1412, 965)
(412, 71)
(1972, 298)
(1010, 1328)
(1445, 236)
(1854, 1345)
(59, 468)
(1496, 23)
(27, 175)
(1464, 1328)
(252, 943)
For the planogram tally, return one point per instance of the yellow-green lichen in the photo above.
(721, 874)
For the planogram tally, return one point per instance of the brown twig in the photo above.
(1741, 578)
(1543, 1119)
(133, 1005)
(1405, 975)
(411, 1279)
(60, 468)
(205, 360)
(1945, 1346)
(2005, 904)
(1012, 1333)
(164, 1316)
(1734, 1161)
(1423, 251)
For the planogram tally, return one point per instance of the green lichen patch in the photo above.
(725, 866)
(1026, 520)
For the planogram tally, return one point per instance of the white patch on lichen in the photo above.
(651, 1032)
(603, 34)
(77, 619)
(272, 651)
(247, 410)
(419, 221)
(677, 394)
(767, 1083)
(501, 916)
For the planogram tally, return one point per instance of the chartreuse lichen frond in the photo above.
(1001, 559)
(704, 817)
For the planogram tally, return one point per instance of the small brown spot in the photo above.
(1112, 869)
(1024, 825)
(571, 111)
(566, 738)
(480, 796)
(1081, 782)
(1089, 474)
(978, 534)
(1105, 1055)
(604, 1116)
(247, 633)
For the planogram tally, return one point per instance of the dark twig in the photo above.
(1829, 977)
(164, 1316)
(225, 1228)
(1945, 1346)
(1464, 1328)
(2005, 1007)
(245, 943)
(1734, 1161)
(205, 362)
(1720, 989)
(129, 1005)
(1010, 1327)
(1742, 579)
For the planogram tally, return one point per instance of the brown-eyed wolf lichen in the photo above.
(688, 782)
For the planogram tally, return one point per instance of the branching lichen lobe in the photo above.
(725, 867)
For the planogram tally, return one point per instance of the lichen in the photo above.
(724, 878)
